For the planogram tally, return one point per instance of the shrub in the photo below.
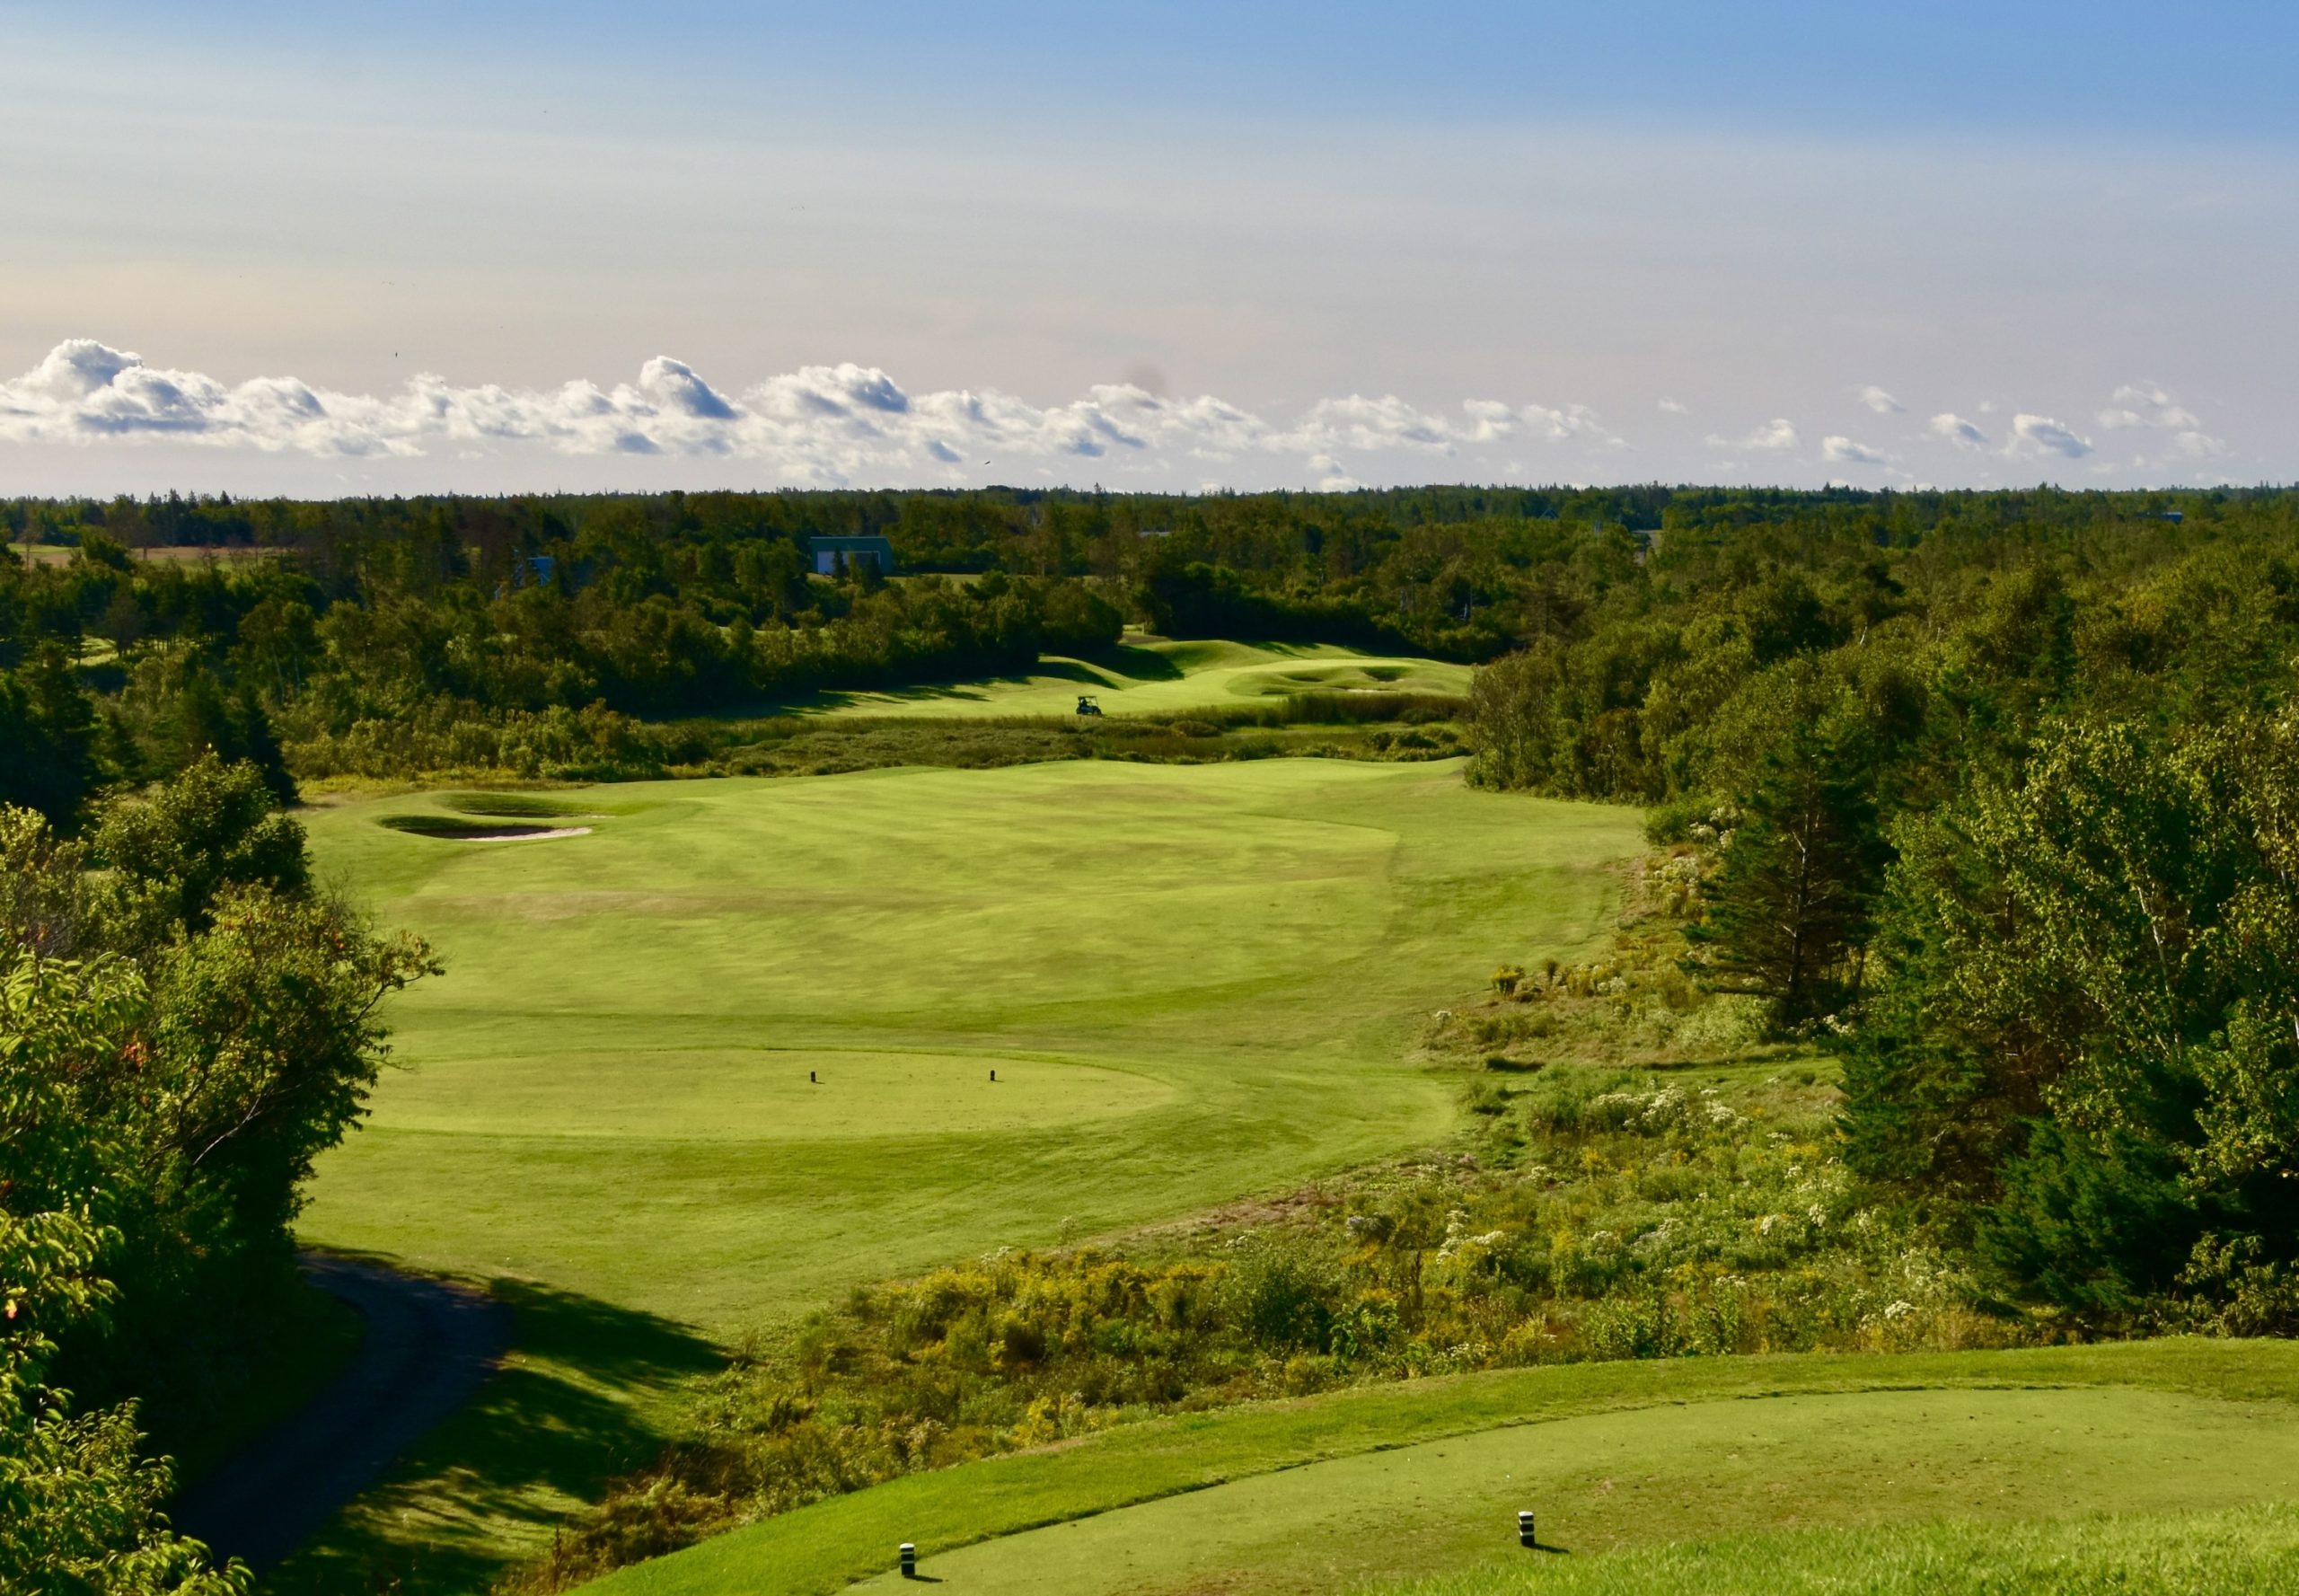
(1280, 1302)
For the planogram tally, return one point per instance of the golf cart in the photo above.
(1087, 704)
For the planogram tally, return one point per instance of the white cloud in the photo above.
(88, 392)
(1490, 420)
(2042, 435)
(1956, 430)
(1843, 451)
(1357, 422)
(2146, 407)
(818, 424)
(1779, 433)
(1670, 407)
(1878, 400)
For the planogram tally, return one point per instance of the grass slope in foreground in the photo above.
(1163, 678)
(1193, 981)
(1385, 1483)
(2253, 1549)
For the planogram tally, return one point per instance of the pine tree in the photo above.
(1788, 908)
(47, 737)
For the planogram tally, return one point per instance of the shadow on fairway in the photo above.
(589, 1391)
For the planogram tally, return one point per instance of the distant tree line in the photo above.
(556, 635)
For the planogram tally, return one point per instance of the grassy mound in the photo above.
(1165, 679)
(513, 806)
(1385, 1481)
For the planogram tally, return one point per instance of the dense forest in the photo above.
(1996, 795)
(2010, 816)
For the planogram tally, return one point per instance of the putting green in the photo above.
(1165, 678)
(1194, 982)
(790, 1094)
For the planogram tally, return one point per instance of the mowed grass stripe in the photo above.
(2211, 1420)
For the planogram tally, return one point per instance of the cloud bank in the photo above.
(821, 423)
(837, 425)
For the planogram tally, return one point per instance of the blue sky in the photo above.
(1954, 66)
(370, 247)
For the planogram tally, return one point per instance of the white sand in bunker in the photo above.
(448, 828)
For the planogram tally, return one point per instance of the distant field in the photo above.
(1192, 982)
(61, 553)
(1387, 1483)
(1164, 678)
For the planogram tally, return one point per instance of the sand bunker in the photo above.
(447, 828)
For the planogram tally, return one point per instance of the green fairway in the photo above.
(1192, 982)
(1329, 1493)
(1167, 678)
